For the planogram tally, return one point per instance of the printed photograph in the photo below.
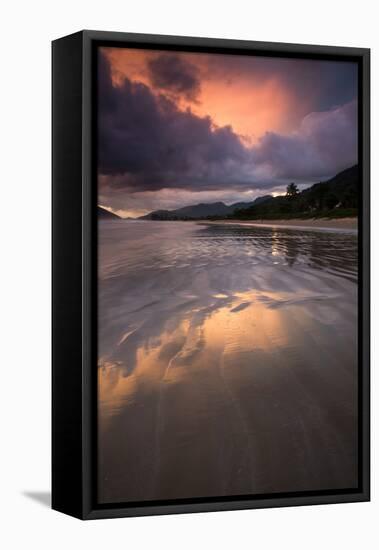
(228, 195)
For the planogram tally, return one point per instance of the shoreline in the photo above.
(344, 224)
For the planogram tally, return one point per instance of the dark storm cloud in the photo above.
(146, 143)
(329, 84)
(153, 144)
(174, 74)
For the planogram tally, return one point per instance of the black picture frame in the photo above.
(74, 319)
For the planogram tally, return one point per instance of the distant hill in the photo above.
(258, 200)
(344, 186)
(202, 210)
(104, 214)
(336, 197)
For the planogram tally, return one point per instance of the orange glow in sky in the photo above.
(250, 106)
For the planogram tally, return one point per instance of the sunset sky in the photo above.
(182, 128)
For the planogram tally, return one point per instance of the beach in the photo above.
(227, 360)
(311, 223)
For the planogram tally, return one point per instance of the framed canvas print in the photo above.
(210, 274)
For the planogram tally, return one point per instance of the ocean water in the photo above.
(227, 360)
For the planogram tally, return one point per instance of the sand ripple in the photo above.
(227, 360)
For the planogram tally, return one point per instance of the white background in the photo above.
(26, 31)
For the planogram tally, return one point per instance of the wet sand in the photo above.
(227, 360)
(315, 223)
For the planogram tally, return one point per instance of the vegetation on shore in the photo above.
(335, 198)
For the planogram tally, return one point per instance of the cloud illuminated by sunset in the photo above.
(249, 106)
(177, 128)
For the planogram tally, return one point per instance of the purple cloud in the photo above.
(175, 75)
(153, 144)
(147, 143)
(326, 143)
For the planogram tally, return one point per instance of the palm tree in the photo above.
(292, 190)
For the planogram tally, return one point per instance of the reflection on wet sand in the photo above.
(227, 360)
